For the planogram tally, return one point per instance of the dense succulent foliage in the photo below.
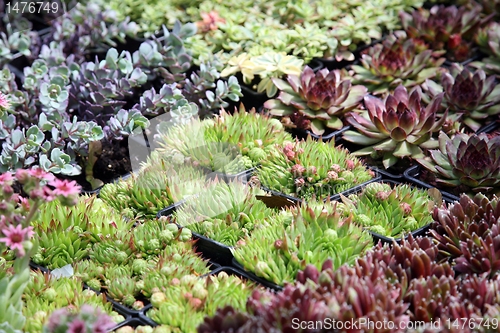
(45, 293)
(189, 299)
(468, 234)
(224, 212)
(157, 186)
(397, 127)
(307, 169)
(470, 163)
(315, 102)
(388, 211)
(472, 97)
(396, 61)
(229, 143)
(64, 234)
(308, 234)
(449, 29)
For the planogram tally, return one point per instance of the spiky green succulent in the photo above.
(176, 261)
(117, 249)
(184, 304)
(315, 101)
(471, 96)
(308, 168)
(252, 132)
(469, 162)
(224, 212)
(157, 186)
(64, 234)
(390, 212)
(447, 28)
(45, 293)
(397, 127)
(308, 234)
(123, 290)
(396, 61)
(151, 237)
(489, 42)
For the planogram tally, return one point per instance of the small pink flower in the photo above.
(332, 175)
(336, 168)
(299, 182)
(48, 194)
(41, 174)
(288, 151)
(350, 164)
(65, 188)
(15, 236)
(6, 179)
(56, 318)
(4, 102)
(103, 324)
(298, 169)
(406, 208)
(22, 176)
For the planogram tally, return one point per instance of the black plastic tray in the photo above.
(228, 269)
(210, 249)
(331, 198)
(302, 134)
(411, 176)
(132, 322)
(97, 190)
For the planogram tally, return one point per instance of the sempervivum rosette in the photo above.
(315, 101)
(398, 127)
(470, 95)
(470, 162)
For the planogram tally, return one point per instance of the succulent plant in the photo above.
(90, 28)
(198, 298)
(468, 233)
(153, 236)
(488, 40)
(315, 102)
(308, 234)
(266, 66)
(396, 61)
(45, 294)
(398, 127)
(472, 96)
(309, 168)
(224, 212)
(471, 163)
(254, 133)
(155, 187)
(390, 212)
(117, 249)
(446, 28)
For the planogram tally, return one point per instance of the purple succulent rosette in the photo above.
(315, 101)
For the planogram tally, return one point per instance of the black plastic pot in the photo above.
(36, 267)
(333, 197)
(494, 125)
(303, 134)
(132, 322)
(210, 249)
(255, 278)
(411, 175)
(227, 269)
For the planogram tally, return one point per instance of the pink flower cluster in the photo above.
(17, 211)
(89, 320)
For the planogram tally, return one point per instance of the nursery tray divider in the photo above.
(411, 175)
